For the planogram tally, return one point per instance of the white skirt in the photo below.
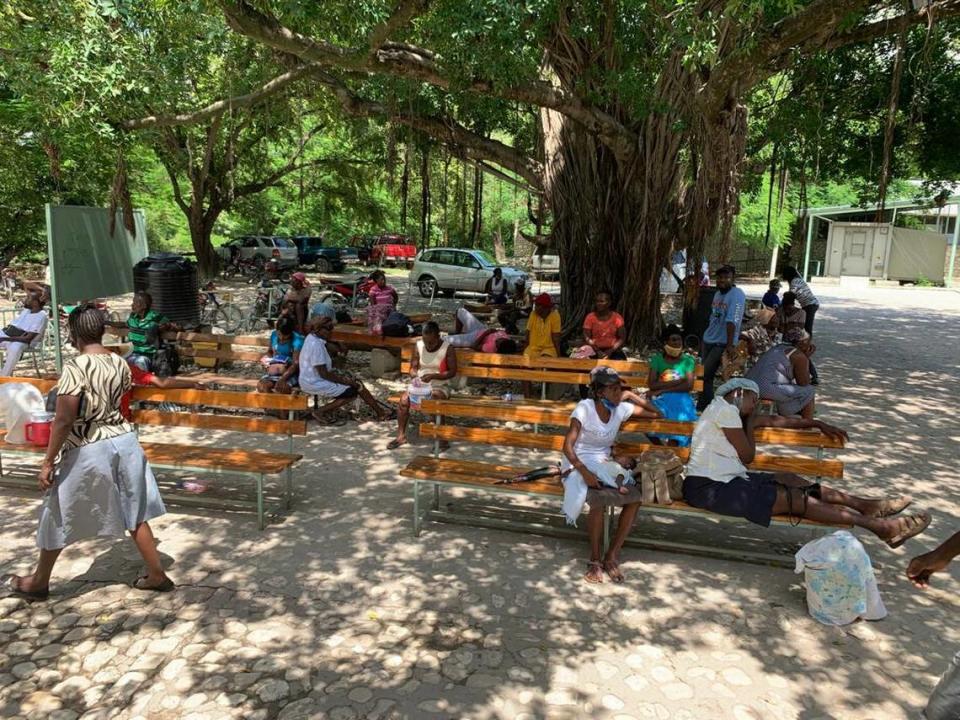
(104, 489)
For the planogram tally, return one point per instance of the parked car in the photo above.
(546, 267)
(387, 249)
(315, 252)
(260, 248)
(448, 270)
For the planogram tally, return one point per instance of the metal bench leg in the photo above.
(436, 496)
(416, 508)
(260, 519)
(288, 500)
(607, 518)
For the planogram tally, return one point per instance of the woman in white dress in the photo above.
(95, 477)
(587, 448)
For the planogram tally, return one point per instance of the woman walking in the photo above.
(96, 479)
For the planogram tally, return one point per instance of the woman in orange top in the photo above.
(604, 330)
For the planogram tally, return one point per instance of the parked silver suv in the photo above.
(261, 248)
(449, 270)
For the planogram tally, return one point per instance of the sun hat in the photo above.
(299, 276)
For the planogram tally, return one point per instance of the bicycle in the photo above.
(224, 318)
(266, 308)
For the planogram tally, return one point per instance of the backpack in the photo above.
(397, 325)
(166, 362)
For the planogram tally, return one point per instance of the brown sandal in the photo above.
(910, 526)
(612, 568)
(889, 508)
(594, 578)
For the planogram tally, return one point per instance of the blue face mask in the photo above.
(611, 406)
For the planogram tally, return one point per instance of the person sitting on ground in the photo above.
(433, 365)
(29, 325)
(717, 478)
(789, 316)
(542, 338)
(783, 375)
(672, 375)
(282, 364)
(587, 446)
(496, 288)
(317, 377)
(771, 298)
(604, 330)
(144, 328)
(299, 295)
(521, 304)
(944, 701)
(722, 335)
(383, 299)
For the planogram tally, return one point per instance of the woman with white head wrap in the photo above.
(717, 478)
(783, 374)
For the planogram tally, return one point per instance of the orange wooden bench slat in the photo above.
(546, 412)
(241, 423)
(534, 441)
(235, 355)
(481, 474)
(44, 385)
(201, 457)
(222, 398)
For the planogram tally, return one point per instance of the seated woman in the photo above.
(143, 330)
(604, 330)
(587, 447)
(783, 375)
(496, 288)
(317, 377)
(521, 303)
(789, 315)
(672, 374)
(383, 299)
(283, 362)
(433, 365)
(717, 478)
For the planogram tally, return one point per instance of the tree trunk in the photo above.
(404, 187)
(476, 225)
(425, 196)
(201, 228)
(499, 250)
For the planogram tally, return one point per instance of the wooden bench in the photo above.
(436, 472)
(415, 319)
(570, 371)
(257, 465)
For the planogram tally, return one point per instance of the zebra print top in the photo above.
(100, 380)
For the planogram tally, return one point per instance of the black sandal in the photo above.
(164, 587)
(12, 583)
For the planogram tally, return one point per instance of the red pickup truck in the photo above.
(386, 249)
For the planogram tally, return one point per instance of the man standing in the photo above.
(723, 332)
(299, 295)
(27, 327)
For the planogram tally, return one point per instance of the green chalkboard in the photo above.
(86, 261)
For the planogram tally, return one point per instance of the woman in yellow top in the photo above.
(543, 334)
(543, 329)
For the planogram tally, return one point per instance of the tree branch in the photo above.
(412, 63)
(402, 15)
(937, 10)
(275, 177)
(264, 92)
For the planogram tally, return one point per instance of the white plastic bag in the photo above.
(18, 401)
(841, 586)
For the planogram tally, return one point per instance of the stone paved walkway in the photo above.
(337, 612)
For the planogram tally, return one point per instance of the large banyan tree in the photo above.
(626, 119)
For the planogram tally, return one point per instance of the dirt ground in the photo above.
(337, 611)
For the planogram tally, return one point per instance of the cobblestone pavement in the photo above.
(337, 612)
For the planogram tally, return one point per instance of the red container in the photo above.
(37, 431)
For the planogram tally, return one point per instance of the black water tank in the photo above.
(172, 282)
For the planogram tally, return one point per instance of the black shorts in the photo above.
(350, 392)
(751, 498)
